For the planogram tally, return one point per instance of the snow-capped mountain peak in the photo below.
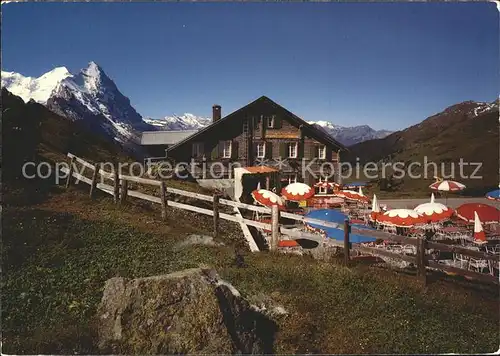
(350, 135)
(346, 135)
(89, 96)
(38, 89)
(483, 108)
(92, 77)
(185, 121)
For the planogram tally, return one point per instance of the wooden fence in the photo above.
(120, 192)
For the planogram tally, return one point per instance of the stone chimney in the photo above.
(216, 113)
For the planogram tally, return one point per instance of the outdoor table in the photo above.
(450, 229)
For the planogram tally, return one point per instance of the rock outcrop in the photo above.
(187, 312)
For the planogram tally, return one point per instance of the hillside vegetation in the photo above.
(444, 138)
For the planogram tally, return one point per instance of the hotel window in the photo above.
(261, 150)
(226, 151)
(292, 150)
(323, 190)
(292, 178)
(322, 152)
(270, 122)
(197, 149)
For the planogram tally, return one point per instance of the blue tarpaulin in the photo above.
(336, 216)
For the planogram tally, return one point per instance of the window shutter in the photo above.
(315, 153)
(328, 153)
(284, 150)
(234, 150)
(300, 149)
(269, 150)
(264, 121)
(215, 152)
(277, 122)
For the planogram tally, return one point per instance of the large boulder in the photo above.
(187, 312)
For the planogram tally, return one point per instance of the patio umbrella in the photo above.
(330, 215)
(447, 186)
(267, 198)
(356, 196)
(338, 234)
(479, 236)
(494, 195)
(375, 209)
(433, 211)
(324, 184)
(487, 214)
(297, 192)
(288, 243)
(324, 202)
(338, 193)
(335, 216)
(401, 218)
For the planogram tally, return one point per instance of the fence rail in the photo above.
(120, 191)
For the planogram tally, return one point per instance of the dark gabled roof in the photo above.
(318, 133)
(313, 131)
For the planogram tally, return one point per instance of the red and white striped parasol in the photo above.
(375, 209)
(297, 191)
(328, 185)
(479, 235)
(487, 213)
(267, 198)
(434, 212)
(401, 218)
(356, 196)
(447, 186)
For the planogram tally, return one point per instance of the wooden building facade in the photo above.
(261, 133)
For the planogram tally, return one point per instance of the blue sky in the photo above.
(388, 65)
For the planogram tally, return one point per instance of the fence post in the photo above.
(216, 215)
(116, 190)
(275, 227)
(124, 191)
(93, 185)
(70, 173)
(163, 198)
(421, 261)
(346, 242)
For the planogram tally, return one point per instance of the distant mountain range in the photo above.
(345, 135)
(93, 99)
(349, 136)
(180, 122)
